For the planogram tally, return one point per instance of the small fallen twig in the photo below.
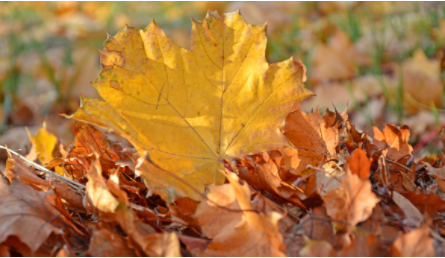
(77, 187)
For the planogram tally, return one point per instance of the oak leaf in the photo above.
(190, 109)
(235, 229)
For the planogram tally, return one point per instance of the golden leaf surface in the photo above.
(190, 109)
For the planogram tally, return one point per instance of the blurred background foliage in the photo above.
(384, 61)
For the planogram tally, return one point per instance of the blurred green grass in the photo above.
(48, 50)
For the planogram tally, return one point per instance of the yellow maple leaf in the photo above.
(190, 109)
(43, 145)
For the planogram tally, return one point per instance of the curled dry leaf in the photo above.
(183, 211)
(98, 196)
(353, 203)
(438, 174)
(430, 205)
(413, 217)
(393, 141)
(144, 239)
(182, 107)
(28, 215)
(262, 172)
(237, 229)
(312, 138)
(415, 243)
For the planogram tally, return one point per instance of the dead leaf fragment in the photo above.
(26, 214)
(104, 243)
(415, 243)
(312, 138)
(353, 203)
(237, 230)
(393, 140)
(359, 164)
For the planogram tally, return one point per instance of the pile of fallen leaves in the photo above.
(222, 162)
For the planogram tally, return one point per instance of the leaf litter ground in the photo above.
(223, 163)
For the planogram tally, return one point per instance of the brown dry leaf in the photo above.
(264, 205)
(414, 243)
(318, 229)
(183, 212)
(422, 86)
(353, 203)
(429, 204)
(439, 173)
(16, 168)
(106, 244)
(88, 141)
(359, 164)
(393, 140)
(144, 239)
(181, 107)
(313, 141)
(365, 244)
(98, 196)
(28, 214)
(337, 60)
(237, 230)
(413, 217)
(262, 172)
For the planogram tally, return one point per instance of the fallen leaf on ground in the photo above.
(182, 107)
(106, 244)
(98, 196)
(235, 228)
(393, 141)
(359, 164)
(415, 243)
(413, 217)
(313, 141)
(351, 204)
(143, 237)
(28, 215)
(44, 143)
(337, 60)
(422, 86)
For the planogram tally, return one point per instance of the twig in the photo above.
(58, 177)
(398, 164)
(79, 188)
